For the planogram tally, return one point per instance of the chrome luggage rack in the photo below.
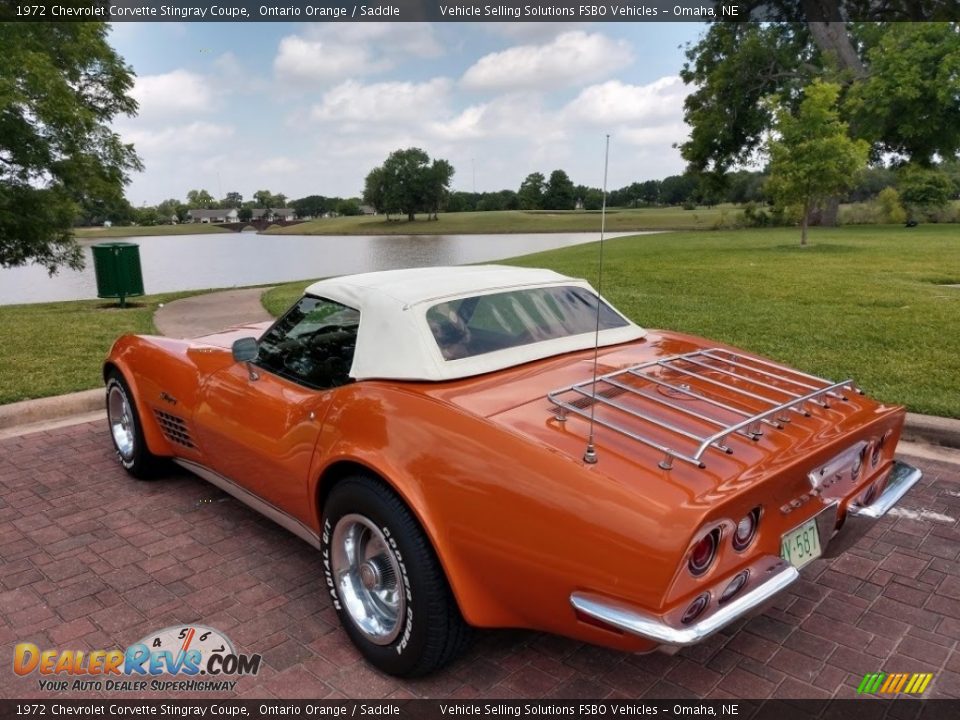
(752, 382)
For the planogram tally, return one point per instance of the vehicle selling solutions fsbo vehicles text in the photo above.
(582, 11)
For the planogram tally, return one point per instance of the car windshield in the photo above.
(471, 326)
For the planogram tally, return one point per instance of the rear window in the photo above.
(486, 323)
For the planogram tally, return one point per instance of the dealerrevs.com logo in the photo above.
(197, 657)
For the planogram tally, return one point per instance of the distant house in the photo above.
(274, 213)
(212, 215)
(368, 210)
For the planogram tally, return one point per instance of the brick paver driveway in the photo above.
(94, 560)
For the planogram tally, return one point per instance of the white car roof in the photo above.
(394, 340)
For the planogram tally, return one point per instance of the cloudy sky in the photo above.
(310, 108)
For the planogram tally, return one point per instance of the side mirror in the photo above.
(245, 349)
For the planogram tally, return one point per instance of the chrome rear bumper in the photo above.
(673, 634)
(629, 619)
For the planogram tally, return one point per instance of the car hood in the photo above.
(226, 338)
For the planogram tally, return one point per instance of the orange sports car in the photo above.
(500, 447)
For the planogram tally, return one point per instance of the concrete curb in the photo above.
(927, 429)
(27, 412)
(932, 430)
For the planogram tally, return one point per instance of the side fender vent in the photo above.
(175, 429)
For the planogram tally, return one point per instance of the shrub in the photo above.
(890, 208)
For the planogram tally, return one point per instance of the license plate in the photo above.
(801, 545)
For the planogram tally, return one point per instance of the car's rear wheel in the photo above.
(386, 583)
(126, 430)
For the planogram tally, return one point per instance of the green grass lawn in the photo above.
(138, 231)
(56, 348)
(865, 302)
(516, 221)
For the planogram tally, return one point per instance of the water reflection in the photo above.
(191, 262)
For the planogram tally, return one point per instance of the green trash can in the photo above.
(117, 267)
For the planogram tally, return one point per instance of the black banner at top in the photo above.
(477, 10)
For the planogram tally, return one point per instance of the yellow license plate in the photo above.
(800, 546)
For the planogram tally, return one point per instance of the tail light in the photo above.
(746, 530)
(696, 608)
(735, 586)
(703, 553)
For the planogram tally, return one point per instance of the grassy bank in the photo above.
(56, 348)
(138, 231)
(515, 221)
(861, 302)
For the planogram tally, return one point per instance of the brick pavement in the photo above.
(94, 560)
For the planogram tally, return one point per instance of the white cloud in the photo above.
(279, 166)
(321, 60)
(383, 103)
(334, 51)
(615, 102)
(176, 140)
(172, 94)
(573, 58)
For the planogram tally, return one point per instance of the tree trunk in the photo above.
(832, 38)
(803, 225)
(411, 216)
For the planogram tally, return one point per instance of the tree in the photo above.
(311, 206)
(245, 214)
(901, 88)
(172, 208)
(199, 199)
(349, 206)
(407, 182)
(923, 190)
(531, 191)
(813, 157)
(438, 184)
(232, 200)
(375, 192)
(61, 86)
(678, 189)
(263, 199)
(559, 194)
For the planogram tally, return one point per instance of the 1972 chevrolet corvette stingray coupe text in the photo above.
(499, 447)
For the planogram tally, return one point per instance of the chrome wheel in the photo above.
(368, 577)
(121, 421)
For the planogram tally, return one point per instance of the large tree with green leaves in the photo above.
(408, 182)
(560, 193)
(61, 85)
(812, 157)
(531, 191)
(900, 83)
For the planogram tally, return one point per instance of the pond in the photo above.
(195, 262)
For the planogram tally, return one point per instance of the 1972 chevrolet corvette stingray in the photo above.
(500, 447)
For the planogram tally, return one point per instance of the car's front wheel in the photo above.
(385, 581)
(126, 431)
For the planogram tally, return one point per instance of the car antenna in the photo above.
(590, 455)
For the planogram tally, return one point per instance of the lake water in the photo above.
(195, 262)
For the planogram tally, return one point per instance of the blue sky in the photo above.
(310, 108)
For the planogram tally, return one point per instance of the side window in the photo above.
(312, 344)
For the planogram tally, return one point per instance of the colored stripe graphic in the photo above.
(893, 683)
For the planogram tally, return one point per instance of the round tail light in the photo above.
(703, 553)
(696, 608)
(746, 530)
(735, 586)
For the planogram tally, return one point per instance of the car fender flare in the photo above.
(156, 442)
(478, 607)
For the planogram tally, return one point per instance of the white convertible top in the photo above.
(394, 340)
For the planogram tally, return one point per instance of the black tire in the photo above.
(431, 631)
(138, 461)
